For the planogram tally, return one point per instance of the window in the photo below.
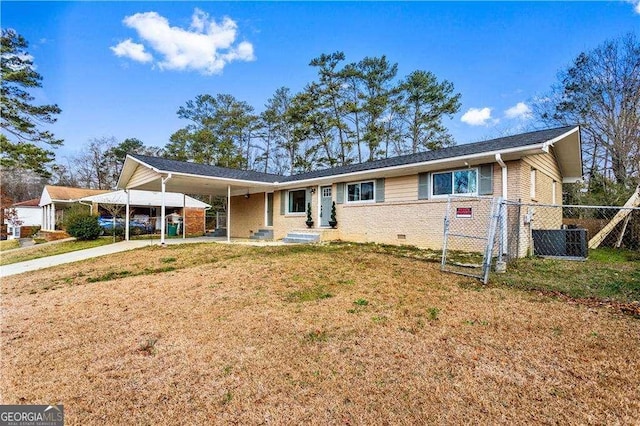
(297, 201)
(361, 191)
(326, 192)
(456, 182)
(533, 184)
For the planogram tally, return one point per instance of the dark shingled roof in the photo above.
(167, 165)
(516, 141)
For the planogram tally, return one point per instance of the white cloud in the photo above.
(478, 117)
(131, 50)
(206, 46)
(520, 111)
(636, 5)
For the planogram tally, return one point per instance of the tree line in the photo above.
(352, 112)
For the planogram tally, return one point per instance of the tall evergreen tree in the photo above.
(220, 132)
(23, 143)
(331, 105)
(378, 91)
(422, 104)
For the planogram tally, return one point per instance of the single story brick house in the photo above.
(399, 200)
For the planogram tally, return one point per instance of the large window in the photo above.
(361, 191)
(456, 182)
(297, 200)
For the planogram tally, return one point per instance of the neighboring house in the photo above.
(56, 199)
(145, 206)
(28, 215)
(398, 200)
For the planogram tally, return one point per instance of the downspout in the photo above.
(504, 175)
(85, 204)
(162, 208)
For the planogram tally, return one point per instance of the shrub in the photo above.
(85, 228)
(74, 213)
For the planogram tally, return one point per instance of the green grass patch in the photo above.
(50, 249)
(606, 274)
(9, 245)
(114, 275)
(316, 336)
(109, 276)
(432, 313)
(309, 294)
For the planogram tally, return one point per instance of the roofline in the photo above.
(424, 163)
(543, 146)
(167, 172)
(129, 156)
(560, 137)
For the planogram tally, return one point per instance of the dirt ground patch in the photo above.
(283, 335)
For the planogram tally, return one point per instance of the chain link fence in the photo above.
(567, 231)
(481, 232)
(469, 228)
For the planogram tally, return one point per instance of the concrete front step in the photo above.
(262, 234)
(220, 232)
(303, 238)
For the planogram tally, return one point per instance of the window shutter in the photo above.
(283, 202)
(380, 190)
(340, 193)
(424, 186)
(485, 186)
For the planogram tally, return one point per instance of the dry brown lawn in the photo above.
(319, 335)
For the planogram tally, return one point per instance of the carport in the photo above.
(164, 175)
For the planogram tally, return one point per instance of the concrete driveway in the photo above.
(74, 256)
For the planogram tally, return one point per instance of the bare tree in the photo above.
(600, 90)
(91, 167)
(21, 184)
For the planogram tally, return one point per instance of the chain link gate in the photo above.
(470, 227)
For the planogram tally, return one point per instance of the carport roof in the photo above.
(175, 166)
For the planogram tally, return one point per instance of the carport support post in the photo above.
(184, 216)
(126, 217)
(228, 213)
(162, 208)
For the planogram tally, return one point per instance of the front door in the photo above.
(325, 205)
(269, 209)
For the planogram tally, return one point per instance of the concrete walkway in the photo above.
(74, 256)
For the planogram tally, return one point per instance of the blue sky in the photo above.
(123, 68)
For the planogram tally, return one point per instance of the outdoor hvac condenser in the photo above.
(560, 242)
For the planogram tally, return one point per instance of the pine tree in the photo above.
(23, 143)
